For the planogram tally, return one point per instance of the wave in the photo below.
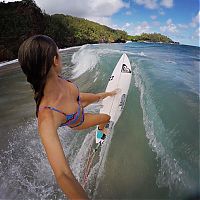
(170, 173)
(84, 59)
(69, 48)
(88, 56)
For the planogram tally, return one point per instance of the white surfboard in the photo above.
(114, 106)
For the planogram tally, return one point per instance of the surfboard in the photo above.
(114, 106)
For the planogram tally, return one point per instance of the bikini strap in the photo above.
(51, 108)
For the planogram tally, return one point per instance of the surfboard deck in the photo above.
(114, 106)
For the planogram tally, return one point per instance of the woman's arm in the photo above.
(88, 98)
(56, 157)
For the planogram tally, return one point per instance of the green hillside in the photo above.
(22, 19)
(150, 37)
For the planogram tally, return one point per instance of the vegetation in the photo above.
(22, 19)
(150, 37)
(71, 31)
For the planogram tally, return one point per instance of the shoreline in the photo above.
(13, 64)
(9, 66)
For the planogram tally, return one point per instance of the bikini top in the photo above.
(73, 117)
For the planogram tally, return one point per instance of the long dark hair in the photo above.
(36, 56)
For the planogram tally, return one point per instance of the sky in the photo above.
(177, 19)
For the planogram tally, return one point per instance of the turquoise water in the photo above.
(153, 152)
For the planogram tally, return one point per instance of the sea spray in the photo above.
(88, 56)
(80, 159)
(84, 59)
(170, 173)
(24, 168)
(100, 166)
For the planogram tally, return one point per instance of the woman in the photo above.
(58, 103)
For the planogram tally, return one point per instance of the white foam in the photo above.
(25, 169)
(87, 57)
(69, 48)
(80, 159)
(170, 61)
(170, 174)
(84, 59)
(100, 166)
(8, 63)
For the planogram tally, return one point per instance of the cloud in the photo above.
(128, 13)
(98, 10)
(102, 20)
(153, 17)
(161, 12)
(127, 24)
(156, 23)
(167, 3)
(195, 20)
(144, 27)
(126, 27)
(197, 33)
(183, 26)
(154, 4)
(170, 27)
(78, 8)
(151, 4)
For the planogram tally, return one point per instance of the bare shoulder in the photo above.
(46, 121)
(52, 145)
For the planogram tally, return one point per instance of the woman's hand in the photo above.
(114, 92)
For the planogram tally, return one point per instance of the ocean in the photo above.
(153, 151)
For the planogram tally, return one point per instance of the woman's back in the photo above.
(62, 97)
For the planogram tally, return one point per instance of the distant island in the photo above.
(22, 19)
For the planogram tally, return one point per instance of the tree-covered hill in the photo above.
(70, 31)
(150, 37)
(22, 19)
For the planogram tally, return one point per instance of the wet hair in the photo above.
(36, 57)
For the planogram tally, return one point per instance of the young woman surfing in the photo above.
(58, 103)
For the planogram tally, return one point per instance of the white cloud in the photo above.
(167, 3)
(78, 8)
(170, 27)
(144, 27)
(156, 23)
(196, 20)
(153, 17)
(151, 4)
(183, 26)
(102, 20)
(197, 33)
(98, 10)
(161, 12)
(129, 13)
(116, 26)
(154, 4)
(127, 24)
